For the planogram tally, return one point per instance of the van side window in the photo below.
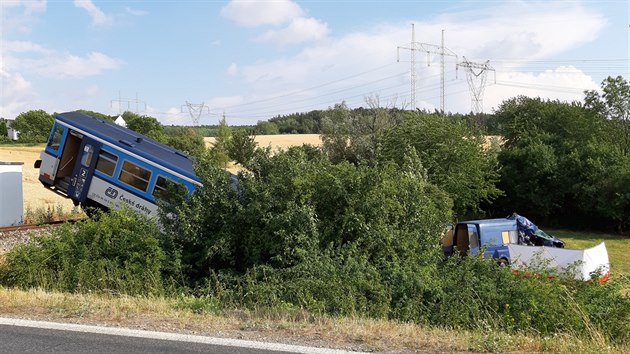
(135, 176)
(55, 140)
(161, 185)
(106, 163)
(473, 237)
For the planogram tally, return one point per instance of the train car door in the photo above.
(83, 169)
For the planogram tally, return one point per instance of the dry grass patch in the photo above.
(35, 195)
(292, 327)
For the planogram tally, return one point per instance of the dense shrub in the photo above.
(119, 253)
(454, 156)
(476, 294)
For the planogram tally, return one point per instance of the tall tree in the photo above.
(219, 150)
(145, 125)
(242, 147)
(613, 105)
(355, 135)
(33, 126)
(452, 154)
(187, 140)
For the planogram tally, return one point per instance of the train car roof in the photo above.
(131, 141)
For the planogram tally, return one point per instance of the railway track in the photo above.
(30, 227)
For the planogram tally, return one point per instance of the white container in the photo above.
(11, 198)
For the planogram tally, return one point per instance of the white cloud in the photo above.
(22, 47)
(99, 18)
(72, 66)
(232, 69)
(524, 30)
(20, 16)
(564, 83)
(223, 101)
(256, 13)
(30, 6)
(521, 40)
(135, 12)
(299, 30)
(32, 58)
(17, 92)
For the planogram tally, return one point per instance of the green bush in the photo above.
(477, 294)
(119, 253)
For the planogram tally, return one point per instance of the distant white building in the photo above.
(120, 121)
(11, 133)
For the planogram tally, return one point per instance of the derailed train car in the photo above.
(98, 164)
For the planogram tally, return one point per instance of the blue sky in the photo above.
(253, 60)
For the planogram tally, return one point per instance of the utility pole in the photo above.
(476, 75)
(429, 49)
(195, 110)
(129, 101)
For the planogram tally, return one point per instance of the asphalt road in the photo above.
(23, 336)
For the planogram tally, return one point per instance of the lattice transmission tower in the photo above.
(195, 110)
(476, 75)
(441, 50)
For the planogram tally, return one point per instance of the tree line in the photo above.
(561, 163)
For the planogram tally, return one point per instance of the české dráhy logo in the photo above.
(111, 192)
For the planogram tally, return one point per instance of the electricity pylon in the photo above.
(476, 75)
(429, 49)
(195, 110)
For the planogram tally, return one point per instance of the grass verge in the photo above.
(179, 314)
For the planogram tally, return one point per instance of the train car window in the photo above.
(106, 163)
(161, 185)
(55, 141)
(135, 176)
(88, 152)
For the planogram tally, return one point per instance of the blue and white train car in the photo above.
(99, 164)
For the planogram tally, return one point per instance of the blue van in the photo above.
(493, 237)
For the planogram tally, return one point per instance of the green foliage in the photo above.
(198, 234)
(296, 123)
(530, 177)
(453, 156)
(242, 147)
(266, 128)
(297, 210)
(119, 253)
(3, 128)
(187, 140)
(33, 126)
(355, 135)
(96, 114)
(219, 150)
(476, 294)
(145, 125)
(614, 101)
(566, 163)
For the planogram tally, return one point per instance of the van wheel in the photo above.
(503, 263)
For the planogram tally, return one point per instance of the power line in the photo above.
(428, 48)
(309, 88)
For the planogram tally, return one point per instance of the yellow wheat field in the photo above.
(38, 197)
